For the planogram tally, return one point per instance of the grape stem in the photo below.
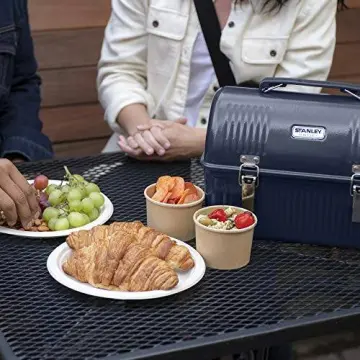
(67, 172)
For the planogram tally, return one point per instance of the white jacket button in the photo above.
(231, 24)
(155, 23)
(273, 53)
(203, 121)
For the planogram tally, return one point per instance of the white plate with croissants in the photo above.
(125, 261)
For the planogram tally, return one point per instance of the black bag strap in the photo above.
(212, 33)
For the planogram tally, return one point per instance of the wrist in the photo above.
(132, 116)
(199, 141)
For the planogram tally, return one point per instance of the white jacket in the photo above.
(147, 51)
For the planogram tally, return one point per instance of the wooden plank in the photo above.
(71, 123)
(68, 48)
(80, 148)
(345, 63)
(352, 79)
(353, 4)
(69, 86)
(348, 25)
(68, 14)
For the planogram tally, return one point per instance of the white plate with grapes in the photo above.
(67, 206)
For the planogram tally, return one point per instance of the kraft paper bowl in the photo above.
(224, 249)
(173, 220)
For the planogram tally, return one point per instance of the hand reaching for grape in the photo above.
(17, 198)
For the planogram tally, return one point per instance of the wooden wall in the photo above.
(68, 36)
(346, 65)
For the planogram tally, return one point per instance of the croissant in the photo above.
(164, 248)
(119, 262)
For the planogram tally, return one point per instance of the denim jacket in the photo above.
(20, 126)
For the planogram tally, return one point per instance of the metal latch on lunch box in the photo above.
(249, 179)
(355, 193)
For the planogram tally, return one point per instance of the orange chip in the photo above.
(183, 196)
(167, 197)
(191, 198)
(166, 182)
(191, 187)
(160, 194)
(178, 189)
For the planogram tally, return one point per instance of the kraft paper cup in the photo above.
(173, 220)
(224, 249)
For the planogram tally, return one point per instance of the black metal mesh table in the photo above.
(288, 292)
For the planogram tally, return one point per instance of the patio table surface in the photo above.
(288, 292)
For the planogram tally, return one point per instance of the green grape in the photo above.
(94, 214)
(50, 213)
(86, 219)
(50, 189)
(55, 197)
(83, 191)
(75, 219)
(97, 199)
(91, 187)
(87, 205)
(51, 223)
(78, 177)
(65, 188)
(75, 205)
(74, 194)
(62, 224)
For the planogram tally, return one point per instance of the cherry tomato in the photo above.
(218, 214)
(244, 220)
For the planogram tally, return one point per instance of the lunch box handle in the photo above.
(269, 84)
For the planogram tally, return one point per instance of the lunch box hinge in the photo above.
(355, 193)
(249, 179)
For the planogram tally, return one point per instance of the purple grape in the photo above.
(43, 201)
(43, 197)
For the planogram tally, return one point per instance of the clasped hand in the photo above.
(162, 140)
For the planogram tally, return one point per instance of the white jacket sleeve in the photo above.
(311, 45)
(121, 78)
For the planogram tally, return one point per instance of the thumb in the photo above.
(182, 120)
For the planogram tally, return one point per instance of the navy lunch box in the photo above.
(293, 158)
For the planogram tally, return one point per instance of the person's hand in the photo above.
(149, 139)
(17, 198)
(185, 142)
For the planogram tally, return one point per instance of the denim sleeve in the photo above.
(20, 127)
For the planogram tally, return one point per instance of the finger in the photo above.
(8, 207)
(182, 121)
(19, 198)
(28, 190)
(150, 139)
(148, 150)
(160, 137)
(132, 143)
(148, 127)
(127, 149)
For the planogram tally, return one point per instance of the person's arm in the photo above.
(311, 45)
(21, 128)
(121, 79)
